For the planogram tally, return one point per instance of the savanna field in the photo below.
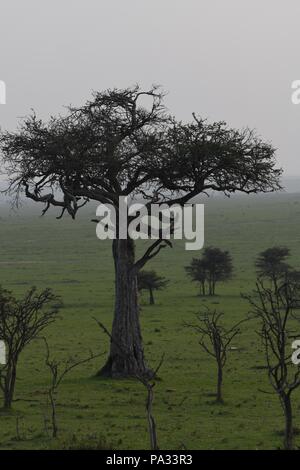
(66, 256)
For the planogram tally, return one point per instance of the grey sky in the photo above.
(227, 60)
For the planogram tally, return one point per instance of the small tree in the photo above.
(58, 370)
(149, 383)
(218, 266)
(21, 321)
(274, 307)
(197, 272)
(149, 280)
(271, 263)
(215, 339)
(214, 266)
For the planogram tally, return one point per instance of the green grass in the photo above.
(66, 256)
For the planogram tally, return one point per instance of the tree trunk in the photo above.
(151, 421)
(289, 432)
(211, 286)
(219, 384)
(9, 386)
(126, 357)
(53, 414)
(202, 289)
(151, 298)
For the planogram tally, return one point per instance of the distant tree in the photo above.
(214, 266)
(198, 273)
(274, 308)
(271, 263)
(122, 143)
(21, 321)
(150, 281)
(215, 339)
(218, 265)
(293, 277)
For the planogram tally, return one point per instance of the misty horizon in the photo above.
(227, 61)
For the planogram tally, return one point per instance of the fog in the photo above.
(232, 60)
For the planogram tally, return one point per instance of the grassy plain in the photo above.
(66, 256)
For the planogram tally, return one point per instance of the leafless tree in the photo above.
(148, 381)
(274, 307)
(58, 371)
(21, 321)
(215, 339)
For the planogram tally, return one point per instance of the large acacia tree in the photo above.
(123, 143)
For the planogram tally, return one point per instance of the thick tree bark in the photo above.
(289, 432)
(126, 357)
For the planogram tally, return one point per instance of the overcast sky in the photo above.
(227, 60)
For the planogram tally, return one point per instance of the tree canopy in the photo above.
(271, 263)
(113, 145)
